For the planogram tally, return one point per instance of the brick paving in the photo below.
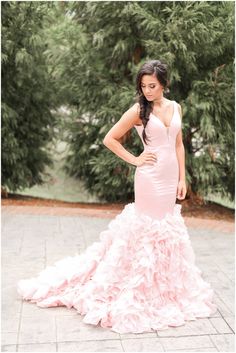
(195, 222)
(35, 237)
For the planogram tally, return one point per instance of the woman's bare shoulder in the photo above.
(136, 108)
(180, 109)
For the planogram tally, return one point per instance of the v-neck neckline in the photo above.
(170, 120)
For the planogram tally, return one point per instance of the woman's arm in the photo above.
(180, 152)
(126, 122)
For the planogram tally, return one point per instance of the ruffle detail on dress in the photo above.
(141, 276)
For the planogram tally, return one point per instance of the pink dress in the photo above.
(141, 274)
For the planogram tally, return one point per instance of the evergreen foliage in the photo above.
(196, 40)
(27, 95)
(85, 55)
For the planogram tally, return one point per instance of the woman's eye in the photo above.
(149, 86)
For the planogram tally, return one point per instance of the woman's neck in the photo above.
(159, 102)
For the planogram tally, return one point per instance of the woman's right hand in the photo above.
(147, 158)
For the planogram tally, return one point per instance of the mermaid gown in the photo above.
(141, 274)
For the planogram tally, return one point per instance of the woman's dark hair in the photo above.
(149, 68)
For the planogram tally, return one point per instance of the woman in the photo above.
(141, 275)
(154, 186)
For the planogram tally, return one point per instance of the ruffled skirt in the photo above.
(140, 276)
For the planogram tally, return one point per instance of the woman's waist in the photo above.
(165, 160)
(167, 146)
(164, 150)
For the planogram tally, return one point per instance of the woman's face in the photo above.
(151, 87)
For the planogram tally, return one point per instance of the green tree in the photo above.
(196, 40)
(27, 95)
(88, 53)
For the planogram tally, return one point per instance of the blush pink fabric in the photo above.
(156, 185)
(141, 274)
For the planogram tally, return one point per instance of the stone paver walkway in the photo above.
(33, 239)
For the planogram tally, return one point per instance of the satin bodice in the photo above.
(156, 184)
(159, 135)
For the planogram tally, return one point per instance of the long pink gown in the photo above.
(141, 274)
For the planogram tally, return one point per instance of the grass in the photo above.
(60, 186)
(221, 200)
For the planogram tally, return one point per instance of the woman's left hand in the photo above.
(181, 190)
